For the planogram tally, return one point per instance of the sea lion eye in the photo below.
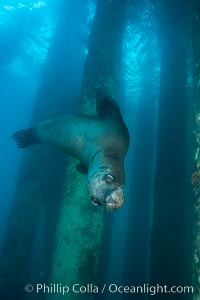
(96, 202)
(109, 178)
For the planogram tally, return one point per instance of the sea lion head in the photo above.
(106, 186)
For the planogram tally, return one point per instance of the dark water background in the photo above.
(156, 80)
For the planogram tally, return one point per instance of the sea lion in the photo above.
(99, 143)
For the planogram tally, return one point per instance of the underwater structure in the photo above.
(80, 226)
(196, 174)
(170, 261)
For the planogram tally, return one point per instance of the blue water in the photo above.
(24, 37)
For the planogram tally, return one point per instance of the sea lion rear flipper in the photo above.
(24, 138)
(81, 168)
(105, 105)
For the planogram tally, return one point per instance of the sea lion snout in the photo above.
(105, 192)
(111, 201)
(115, 199)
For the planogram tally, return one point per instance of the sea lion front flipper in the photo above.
(81, 168)
(25, 138)
(105, 105)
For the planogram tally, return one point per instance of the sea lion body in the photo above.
(99, 143)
